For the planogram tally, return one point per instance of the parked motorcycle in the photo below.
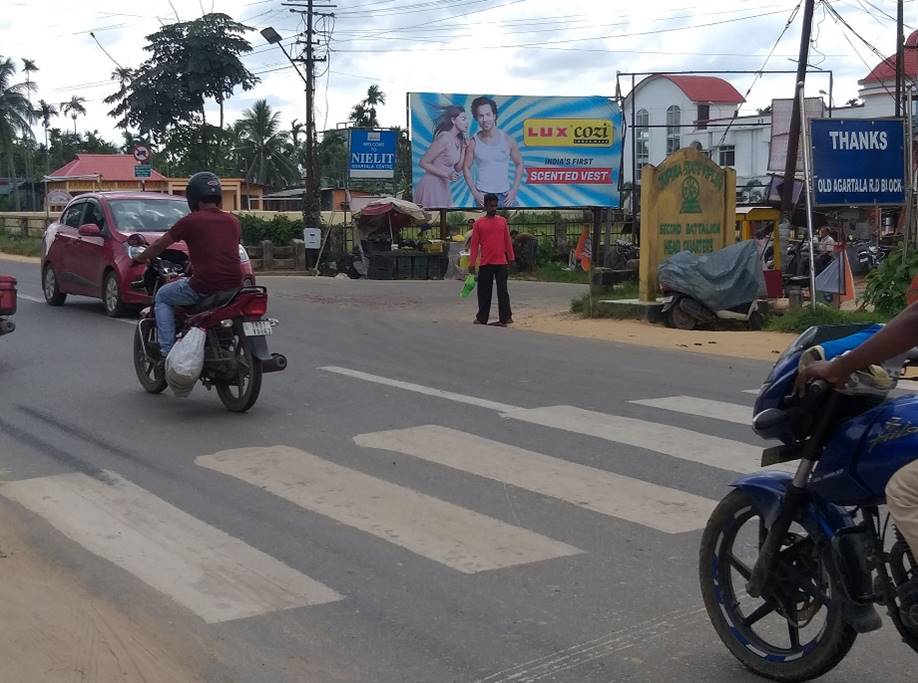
(7, 303)
(236, 349)
(620, 253)
(793, 565)
(684, 312)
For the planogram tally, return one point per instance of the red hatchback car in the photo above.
(86, 252)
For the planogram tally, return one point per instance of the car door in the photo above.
(90, 256)
(60, 251)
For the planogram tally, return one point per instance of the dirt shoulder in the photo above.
(55, 631)
(19, 259)
(736, 344)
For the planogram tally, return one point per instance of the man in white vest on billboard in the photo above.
(492, 150)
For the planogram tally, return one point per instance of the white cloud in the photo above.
(571, 48)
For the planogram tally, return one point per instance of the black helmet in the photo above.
(204, 185)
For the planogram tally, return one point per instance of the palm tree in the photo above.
(45, 112)
(264, 147)
(15, 116)
(74, 108)
(29, 67)
(296, 129)
(363, 115)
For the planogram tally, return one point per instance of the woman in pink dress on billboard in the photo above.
(442, 162)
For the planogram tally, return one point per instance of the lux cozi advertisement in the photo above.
(531, 152)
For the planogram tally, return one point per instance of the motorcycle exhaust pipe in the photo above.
(276, 363)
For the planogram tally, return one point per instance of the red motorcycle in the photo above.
(236, 349)
(7, 303)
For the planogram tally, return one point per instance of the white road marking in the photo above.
(734, 456)
(657, 507)
(462, 539)
(420, 389)
(701, 407)
(38, 300)
(677, 442)
(216, 576)
(754, 392)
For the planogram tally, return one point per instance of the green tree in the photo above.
(73, 108)
(189, 63)
(264, 147)
(331, 157)
(45, 112)
(15, 117)
(29, 67)
(363, 114)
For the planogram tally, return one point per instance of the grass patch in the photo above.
(554, 272)
(20, 246)
(587, 308)
(799, 320)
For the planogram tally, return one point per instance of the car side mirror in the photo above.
(90, 230)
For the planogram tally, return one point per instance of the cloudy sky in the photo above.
(527, 47)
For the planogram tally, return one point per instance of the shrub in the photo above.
(280, 229)
(798, 320)
(888, 282)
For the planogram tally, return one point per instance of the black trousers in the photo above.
(487, 275)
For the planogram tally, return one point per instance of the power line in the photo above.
(759, 73)
(542, 45)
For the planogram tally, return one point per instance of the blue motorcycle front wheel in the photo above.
(796, 630)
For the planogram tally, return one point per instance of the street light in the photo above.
(310, 201)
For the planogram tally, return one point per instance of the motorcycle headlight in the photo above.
(134, 252)
(243, 255)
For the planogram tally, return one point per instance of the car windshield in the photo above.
(147, 215)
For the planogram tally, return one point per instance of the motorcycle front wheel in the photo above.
(796, 630)
(240, 394)
(150, 374)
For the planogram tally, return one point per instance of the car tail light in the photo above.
(255, 306)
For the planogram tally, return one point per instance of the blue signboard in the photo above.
(858, 162)
(372, 153)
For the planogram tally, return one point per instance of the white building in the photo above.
(667, 112)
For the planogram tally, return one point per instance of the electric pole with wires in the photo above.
(310, 10)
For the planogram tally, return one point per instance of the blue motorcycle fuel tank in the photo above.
(866, 451)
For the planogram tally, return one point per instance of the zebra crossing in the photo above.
(221, 578)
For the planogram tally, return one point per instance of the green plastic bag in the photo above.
(469, 285)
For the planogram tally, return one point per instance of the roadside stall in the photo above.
(382, 253)
(761, 224)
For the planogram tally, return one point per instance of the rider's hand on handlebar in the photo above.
(820, 369)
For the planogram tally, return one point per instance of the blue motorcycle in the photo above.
(792, 566)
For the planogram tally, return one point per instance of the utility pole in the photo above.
(312, 216)
(793, 138)
(900, 56)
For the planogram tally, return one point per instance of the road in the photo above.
(414, 499)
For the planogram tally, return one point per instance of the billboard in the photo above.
(532, 152)
(781, 114)
(858, 162)
(371, 153)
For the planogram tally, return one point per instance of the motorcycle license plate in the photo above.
(258, 328)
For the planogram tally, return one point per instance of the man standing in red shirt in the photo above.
(491, 235)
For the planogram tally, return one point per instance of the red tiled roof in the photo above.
(886, 70)
(706, 89)
(109, 166)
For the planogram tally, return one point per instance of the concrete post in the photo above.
(299, 255)
(267, 255)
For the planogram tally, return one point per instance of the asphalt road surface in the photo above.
(414, 499)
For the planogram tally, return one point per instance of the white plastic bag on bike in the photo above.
(185, 362)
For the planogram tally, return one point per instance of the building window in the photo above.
(727, 156)
(642, 138)
(704, 115)
(673, 121)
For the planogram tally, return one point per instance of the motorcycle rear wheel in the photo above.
(240, 394)
(150, 374)
(798, 631)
